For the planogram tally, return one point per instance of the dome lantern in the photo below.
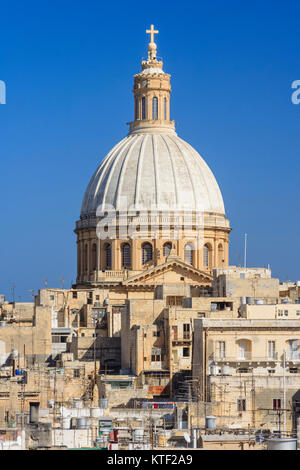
(152, 93)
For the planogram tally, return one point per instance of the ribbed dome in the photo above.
(157, 171)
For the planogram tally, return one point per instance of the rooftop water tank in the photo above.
(225, 370)
(210, 422)
(103, 403)
(82, 423)
(77, 403)
(282, 444)
(259, 302)
(66, 423)
(96, 412)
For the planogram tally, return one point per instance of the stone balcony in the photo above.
(247, 357)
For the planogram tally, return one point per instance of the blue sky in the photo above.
(68, 68)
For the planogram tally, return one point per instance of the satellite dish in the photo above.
(187, 437)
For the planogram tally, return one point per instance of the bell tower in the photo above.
(152, 91)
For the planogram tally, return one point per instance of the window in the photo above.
(146, 253)
(126, 256)
(76, 373)
(108, 257)
(143, 108)
(165, 109)
(186, 352)
(186, 331)
(243, 370)
(293, 349)
(51, 297)
(188, 253)
(276, 404)
(74, 294)
(293, 370)
(156, 356)
(155, 108)
(206, 256)
(221, 349)
(241, 404)
(167, 249)
(244, 349)
(271, 350)
(220, 255)
(156, 333)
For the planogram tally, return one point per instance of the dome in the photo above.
(153, 170)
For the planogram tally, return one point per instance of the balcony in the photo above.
(246, 357)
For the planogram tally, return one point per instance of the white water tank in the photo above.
(282, 444)
(225, 370)
(96, 412)
(77, 403)
(66, 423)
(214, 370)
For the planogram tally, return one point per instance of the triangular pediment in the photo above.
(172, 271)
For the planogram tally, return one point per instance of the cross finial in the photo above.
(152, 32)
(152, 45)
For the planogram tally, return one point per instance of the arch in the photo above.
(167, 249)
(154, 108)
(126, 256)
(207, 252)
(244, 348)
(146, 253)
(220, 254)
(143, 107)
(188, 253)
(107, 250)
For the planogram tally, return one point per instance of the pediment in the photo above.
(171, 272)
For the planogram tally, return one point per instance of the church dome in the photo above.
(153, 169)
(153, 197)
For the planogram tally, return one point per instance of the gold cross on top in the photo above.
(151, 31)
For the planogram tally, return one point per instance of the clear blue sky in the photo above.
(68, 67)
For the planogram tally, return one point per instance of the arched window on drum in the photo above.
(107, 250)
(146, 253)
(155, 108)
(167, 249)
(188, 253)
(126, 256)
(143, 108)
(207, 255)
